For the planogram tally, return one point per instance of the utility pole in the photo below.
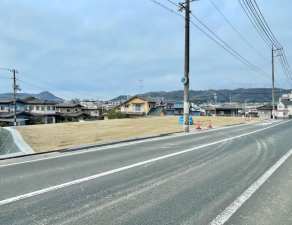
(187, 68)
(15, 88)
(273, 85)
(230, 97)
(273, 80)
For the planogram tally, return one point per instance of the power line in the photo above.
(250, 64)
(42, 88)
(53, 85)
(266, 22)
(173, 3)
(260, 72)
(260, 22)
(255, 26)
(238, 32)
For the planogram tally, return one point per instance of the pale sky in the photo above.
(94, 48)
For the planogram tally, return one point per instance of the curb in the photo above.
(81, 147)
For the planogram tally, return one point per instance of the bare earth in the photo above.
(44, 138)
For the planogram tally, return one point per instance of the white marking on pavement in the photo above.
(28, 195)
(234, 206)
(94, 149)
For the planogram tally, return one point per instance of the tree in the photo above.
(29, 98)
(115, 115)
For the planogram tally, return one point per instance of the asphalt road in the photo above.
(176, 179)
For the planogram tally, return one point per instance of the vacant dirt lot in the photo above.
(43, 138)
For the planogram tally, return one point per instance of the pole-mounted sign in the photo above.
(184, 80)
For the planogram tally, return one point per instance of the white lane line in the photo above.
(28, 195)
(233, 207)
(115, 146)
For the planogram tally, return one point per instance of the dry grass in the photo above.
(43, 138)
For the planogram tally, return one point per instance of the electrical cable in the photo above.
(238, 32)
(45, 82)
(255, 68)
(255, 25)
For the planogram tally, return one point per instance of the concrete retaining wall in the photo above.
(7, 144)
(11, 142)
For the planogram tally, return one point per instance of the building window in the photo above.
(2, 107)
(138, 108)
(38, 108)
(127, 106)
(284, 114)
(54, 108)
(68, 110)
(48, 108)
(60, 110)
(151, 106)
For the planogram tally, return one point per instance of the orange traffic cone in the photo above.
(210, 126)
(198, 125)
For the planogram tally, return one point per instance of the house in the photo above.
(138, 107)
(169, 107)
(73, 117)
(22, 118)
(286, 107)
(112, 104)
(158, 111)
(91, 111)
(7, 105)
(68, 108)
(282, 114)
(43, 110)
(226, 110)
(286, 97)
(70, 111)
(265, 111)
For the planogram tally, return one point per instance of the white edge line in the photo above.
(17, 198)
(120, 145)
(234, 206)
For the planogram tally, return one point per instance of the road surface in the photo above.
(233, 175)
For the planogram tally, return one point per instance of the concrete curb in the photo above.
(80, 147)
(20, 143)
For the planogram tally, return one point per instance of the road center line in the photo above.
(28, 195)
(114, 146)
(234, 206)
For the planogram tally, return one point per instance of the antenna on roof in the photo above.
(141, 85)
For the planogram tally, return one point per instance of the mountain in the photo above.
(223, 95)
(45, 95)
(121, 97)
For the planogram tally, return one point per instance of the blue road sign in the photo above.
(184, 80)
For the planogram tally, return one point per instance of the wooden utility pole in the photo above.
(187, 67)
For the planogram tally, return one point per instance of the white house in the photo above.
(44, 109)
(285, 105)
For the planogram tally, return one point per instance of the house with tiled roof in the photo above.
(43, 110)
(138, 107)
(284, 110)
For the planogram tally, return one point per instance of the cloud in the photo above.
(104, 48)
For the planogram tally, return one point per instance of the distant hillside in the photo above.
(237, 95)
(43, 95)
(121, 97)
